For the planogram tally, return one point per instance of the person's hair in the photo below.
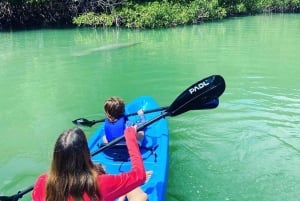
(72, 172)
(114, 108)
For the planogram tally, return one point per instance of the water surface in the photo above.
(246, 149)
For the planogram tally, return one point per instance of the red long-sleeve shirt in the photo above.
(110, 186)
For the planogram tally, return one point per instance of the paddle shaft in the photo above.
(135, 113)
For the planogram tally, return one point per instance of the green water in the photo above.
(246, 149)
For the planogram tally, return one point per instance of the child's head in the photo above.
(114, 107)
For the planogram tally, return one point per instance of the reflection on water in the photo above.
(246, 149)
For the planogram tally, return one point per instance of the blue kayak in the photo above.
(154, 149)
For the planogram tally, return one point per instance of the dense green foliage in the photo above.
(155, 14)
(168, 13)
(130, 13)
(258, 6)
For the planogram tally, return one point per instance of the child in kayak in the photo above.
(116, 120)
(114, 126)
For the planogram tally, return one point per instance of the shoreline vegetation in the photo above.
(134, 14)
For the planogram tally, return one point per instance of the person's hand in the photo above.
(142, 116)
(130, 134)
(130, 130)
(140, 112)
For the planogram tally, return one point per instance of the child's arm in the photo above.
(141, 115)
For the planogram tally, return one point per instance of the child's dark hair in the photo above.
(114, 107)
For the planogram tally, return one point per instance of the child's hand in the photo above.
(140, 112)
(129, 123)
(142, 116)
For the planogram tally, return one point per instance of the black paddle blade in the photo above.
(209, 105)
(17, 196)
(9, 198)
(198, 94)
(83, 122)
(5, 198)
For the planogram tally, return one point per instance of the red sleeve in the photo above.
(39, 189)
(114, 186)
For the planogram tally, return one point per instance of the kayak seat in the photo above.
(119, 152)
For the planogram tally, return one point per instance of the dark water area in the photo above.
(246, 149)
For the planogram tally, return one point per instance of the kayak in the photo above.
(154, 149)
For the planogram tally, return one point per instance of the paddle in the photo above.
(17, 196)
(84, 122)
(194, 97)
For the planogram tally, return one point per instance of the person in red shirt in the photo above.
(73, 175)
